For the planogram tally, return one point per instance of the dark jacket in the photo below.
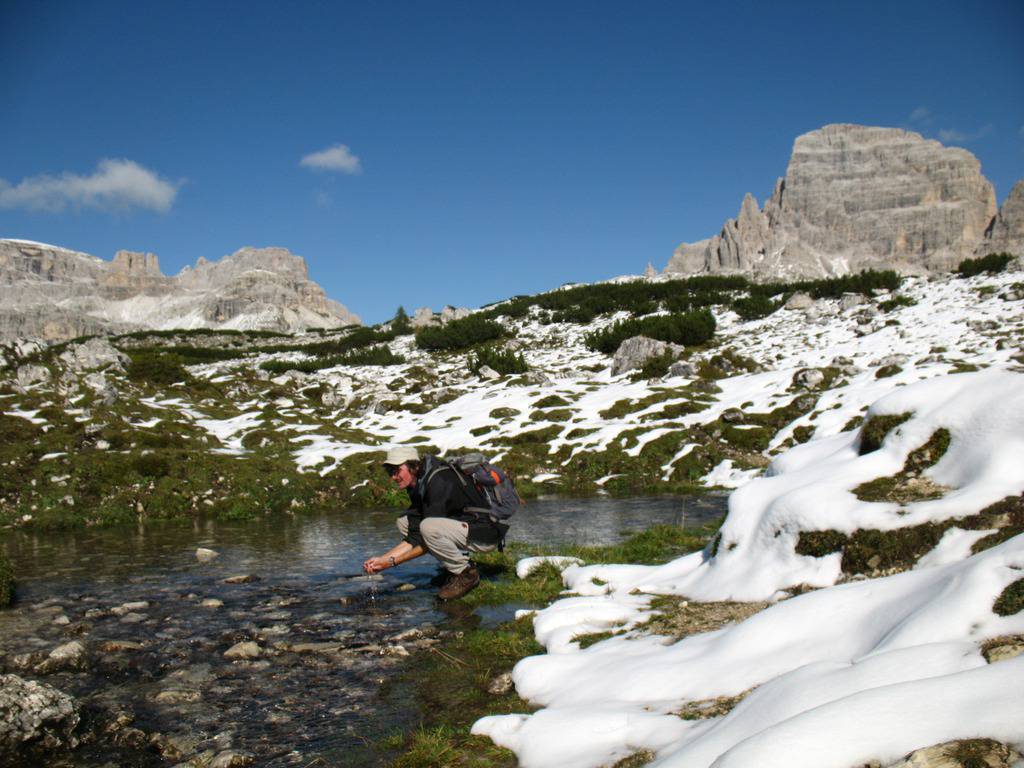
(448, 495)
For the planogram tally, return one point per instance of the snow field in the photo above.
(865, 670)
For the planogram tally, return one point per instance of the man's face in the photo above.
(402, 475)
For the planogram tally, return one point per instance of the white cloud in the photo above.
(920, 115)
(117, 184)
(336, 158)
(947, 135)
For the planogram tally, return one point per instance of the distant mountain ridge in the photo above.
(858, 197)
(53, 293)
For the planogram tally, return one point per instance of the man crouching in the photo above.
(439, 520)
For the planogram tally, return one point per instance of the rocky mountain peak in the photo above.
(53, 293)
(857, 197)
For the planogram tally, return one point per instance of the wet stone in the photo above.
(177, 696)
(245, 650)
(115, 646)
(212, 602)
(241, 578)
(204, 555)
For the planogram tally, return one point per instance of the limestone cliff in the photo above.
(54, 293)
(857, 197)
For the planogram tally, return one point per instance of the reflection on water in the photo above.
(327, 636)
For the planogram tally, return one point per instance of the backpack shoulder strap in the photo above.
(433, 465)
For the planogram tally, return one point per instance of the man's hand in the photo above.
(375, 564)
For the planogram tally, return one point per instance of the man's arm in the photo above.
(400, 553)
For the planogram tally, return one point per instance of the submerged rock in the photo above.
(245, 650)
(34, 714)
(69, 656)
(204, 555)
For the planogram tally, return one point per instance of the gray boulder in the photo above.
(850, 300)
(683, 368)
(487, 373)
(453, 313)
(423, 317)
(637, 350)
(33, 714)
(799, 301)
(98, 383)
(808, 378)
(94, 353)
(30, 375)
(69, 656)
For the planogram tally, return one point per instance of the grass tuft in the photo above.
(1010, 600)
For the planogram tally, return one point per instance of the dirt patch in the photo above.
(1002, 648)
(678, 618)
(708, 708)
(968, 753)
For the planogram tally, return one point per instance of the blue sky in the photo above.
(460, 153)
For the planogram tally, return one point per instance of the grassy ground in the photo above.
(450, 681)
(6, 581)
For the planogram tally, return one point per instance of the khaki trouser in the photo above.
(447, 540)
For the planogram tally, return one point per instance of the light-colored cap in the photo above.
(401, 454)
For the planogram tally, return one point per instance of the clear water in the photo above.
(286, 708)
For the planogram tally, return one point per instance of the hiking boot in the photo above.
(460, 584)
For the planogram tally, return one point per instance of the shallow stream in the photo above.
(156, 623)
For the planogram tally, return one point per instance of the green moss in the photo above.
(886, 371)
(622, 408)
(1007, 516)
(907, 485)
(803, 434)
(503, 413)
(870, 551)
(585, 641)
(555, 414)
(961, 367)
(1010, 600)
(897, 301)
(877, 428)
(551, 401)
(820, 543)
(636, 760)
(543, 435)
(6, 581)
(478, 431)
(755, 439)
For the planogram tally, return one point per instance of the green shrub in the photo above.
(834, 287)
(582, 303)
(992, 264)
(190, 355)
(149, 366)
(688, 328)
(459, 334)
(654, 368)
(400, 324)
(897, 301)
(504, 361)
(151, 465)
(755, 307)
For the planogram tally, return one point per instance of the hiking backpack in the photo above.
(492, 483)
